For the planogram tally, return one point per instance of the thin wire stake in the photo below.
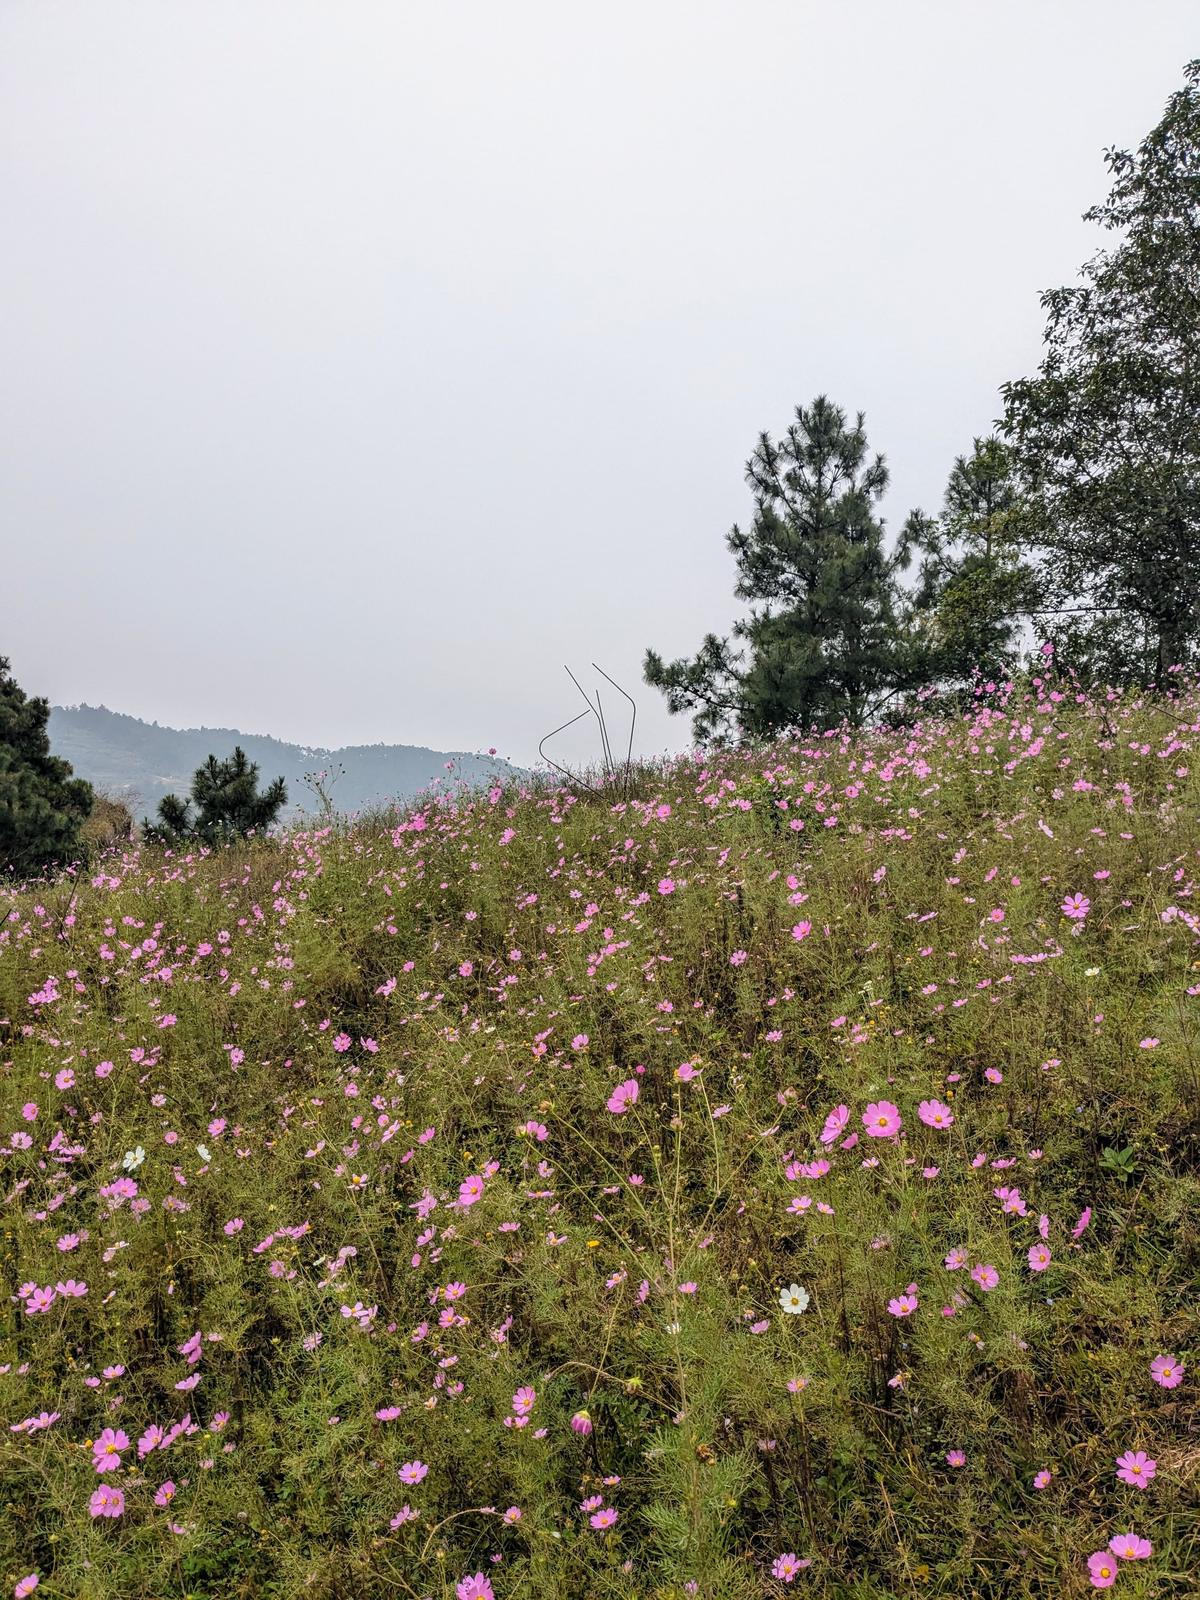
(632, 726)
(569, 775)
(608, 760)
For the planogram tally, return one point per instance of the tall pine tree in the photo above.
(42, 806)
(1107, 435)
(822, 642)
(975, 584)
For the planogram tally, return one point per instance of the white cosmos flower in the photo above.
(133, 1159)
(794, 1299)
(202, 1152)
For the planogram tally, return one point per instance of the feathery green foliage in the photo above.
(344, 1169)
(229, 804)
(42, 807)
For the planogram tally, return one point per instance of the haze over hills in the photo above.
(140, 762)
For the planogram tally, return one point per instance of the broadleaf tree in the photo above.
(1107, 434)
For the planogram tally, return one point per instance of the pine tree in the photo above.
(1107, 436)
(975, 583)
(822, 643)
(42, 806)
(229, 804)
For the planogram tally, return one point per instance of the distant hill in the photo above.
(141, 761)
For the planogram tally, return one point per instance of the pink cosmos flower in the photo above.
(623, 1096)
(903, 1305)
(470, 1190)
(1131, 1547)
(835, 1124)
(107, 1449)
(1041, 1480)
(666, 886)
(985, 1276)
(1080, 1227)
(956, 1458)
(1136, 1468)
(1167, 1371)
(25, 1586)
(165, 1494)
(476, 1588)
(413, 1472)
(603, 1519)
(934, 1114)
(786, 1566)
(1039, 1257)
(581, 1423)
(882, 1119)
(524, 1400)
(801, 931)
(1102, 1569)
(107, 1501)
(1076, 906)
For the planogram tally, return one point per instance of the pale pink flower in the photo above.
(1039, 1257)
(835, 1124)
(1167, 1371)
(1102, 1569)
(1136, 1468)
(882, 1120)
(934, 1114)
(1131, 1547)
(623, 1096)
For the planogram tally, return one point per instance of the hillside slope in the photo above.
(788, 1181)
(142, 761)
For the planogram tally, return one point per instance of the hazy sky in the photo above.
(362, 363)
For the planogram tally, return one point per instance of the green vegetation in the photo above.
(229, 804)
(1079, 522)
(471, 1203)
(42, 807)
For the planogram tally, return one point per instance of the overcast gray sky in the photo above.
(362, 363)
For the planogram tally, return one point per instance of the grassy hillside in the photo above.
(418, 1212)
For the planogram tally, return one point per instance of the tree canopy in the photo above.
(1106, 436)
(821, 642)
(42, 805)
(228, 802)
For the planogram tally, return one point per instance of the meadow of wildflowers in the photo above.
(787, 1180)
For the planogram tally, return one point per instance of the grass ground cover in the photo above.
(787, 1180)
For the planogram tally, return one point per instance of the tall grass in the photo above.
(434, 1183)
